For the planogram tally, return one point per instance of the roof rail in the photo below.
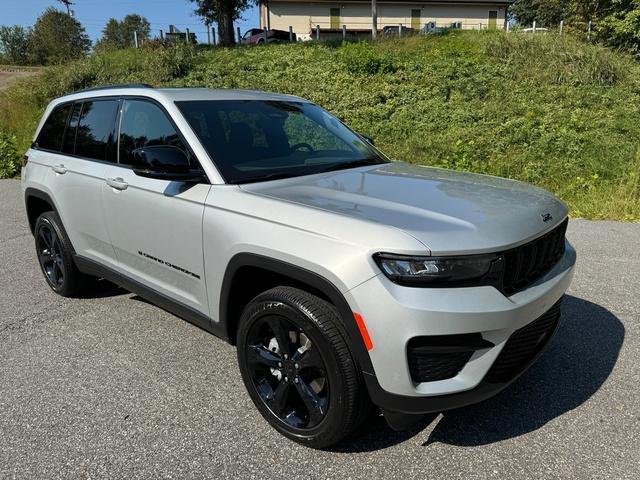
(117, 85)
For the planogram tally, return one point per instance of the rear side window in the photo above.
(50, 136)
(95, 131)
(144, 124)
(69, 141)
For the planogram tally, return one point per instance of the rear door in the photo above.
(77, 143)
(155, 225)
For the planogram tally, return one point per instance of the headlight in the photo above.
(437, 271)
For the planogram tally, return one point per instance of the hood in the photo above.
(449, 212)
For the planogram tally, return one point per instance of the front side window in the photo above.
(144, 124)
(95, 131)
(253, 140)
(50, 136)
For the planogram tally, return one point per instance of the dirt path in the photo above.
(10, 75)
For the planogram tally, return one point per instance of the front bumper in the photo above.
(395, 314)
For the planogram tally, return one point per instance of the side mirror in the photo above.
(164, 162)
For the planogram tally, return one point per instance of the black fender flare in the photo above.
(31, 192)
(304, 276)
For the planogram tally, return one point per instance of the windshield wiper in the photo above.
(265, 178)
(352, 164)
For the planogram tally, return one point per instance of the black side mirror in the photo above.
(164, 162)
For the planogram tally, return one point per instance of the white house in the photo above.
(304, 15)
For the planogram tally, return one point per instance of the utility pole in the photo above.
(67, 3)
(374, 19)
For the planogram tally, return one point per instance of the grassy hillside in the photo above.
(548, 110)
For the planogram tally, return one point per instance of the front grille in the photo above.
(523, 265)
(523, 345)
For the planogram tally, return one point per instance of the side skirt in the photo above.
(90, 267)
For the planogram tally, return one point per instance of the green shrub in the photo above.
(9, 158)
(362, 58)
(545, 109)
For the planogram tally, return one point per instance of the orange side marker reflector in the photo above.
(363, 331)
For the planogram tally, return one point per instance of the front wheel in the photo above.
(298, 369)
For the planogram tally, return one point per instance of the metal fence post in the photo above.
(534, 26)
(239, 36)
(206, 25)
(589, 31)
(561, 26)
(135, 38)
(290, 33)
(344, 32)
(399, 30)
(213, 35)
(264, 33)
(318, 32)
(161, 35)
(374, 19)
(187, 36)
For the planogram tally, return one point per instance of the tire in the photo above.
(326, 400)
(55, 256)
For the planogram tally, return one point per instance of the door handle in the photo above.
(61, 169)
(117, 183)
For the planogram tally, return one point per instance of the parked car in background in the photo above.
(256, 35)
(393, 30)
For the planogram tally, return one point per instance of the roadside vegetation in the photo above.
(545, 109)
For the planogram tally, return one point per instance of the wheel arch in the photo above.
(36, 203)
(264, 273)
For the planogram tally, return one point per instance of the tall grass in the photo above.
(544, 109)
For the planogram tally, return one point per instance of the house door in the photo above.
(335, 19)
(493, 19)
(415, 19)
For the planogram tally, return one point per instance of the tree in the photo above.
(119, 34)
(14, 44)
(621, 28)
(223, 12)
(57, 38)
(550, 12)
(544, 12)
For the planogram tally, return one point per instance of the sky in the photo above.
(93, 14)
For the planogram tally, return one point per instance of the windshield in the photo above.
(254, 140)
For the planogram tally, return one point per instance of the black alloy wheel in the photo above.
(50, 255)
(298, 369)
(288, 372)
(55, 256)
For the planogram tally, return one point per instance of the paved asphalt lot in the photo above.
(111, 386)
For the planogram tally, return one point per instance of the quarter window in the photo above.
(50, 136)
(69, 141)
(144, 124)
(95, 132)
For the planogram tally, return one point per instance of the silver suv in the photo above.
(345, 280)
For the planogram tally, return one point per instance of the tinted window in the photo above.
(95, 133)
(252, 140)
(144, 124)
(68, 143)
(50, 137)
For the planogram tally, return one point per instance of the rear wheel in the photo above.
(55, 257)
(298, 369)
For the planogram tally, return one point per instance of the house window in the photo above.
(415, 18)
(493, 19)
(335, 18)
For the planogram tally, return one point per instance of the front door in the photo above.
(415, 19)
(155, 225)
(493, 19)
